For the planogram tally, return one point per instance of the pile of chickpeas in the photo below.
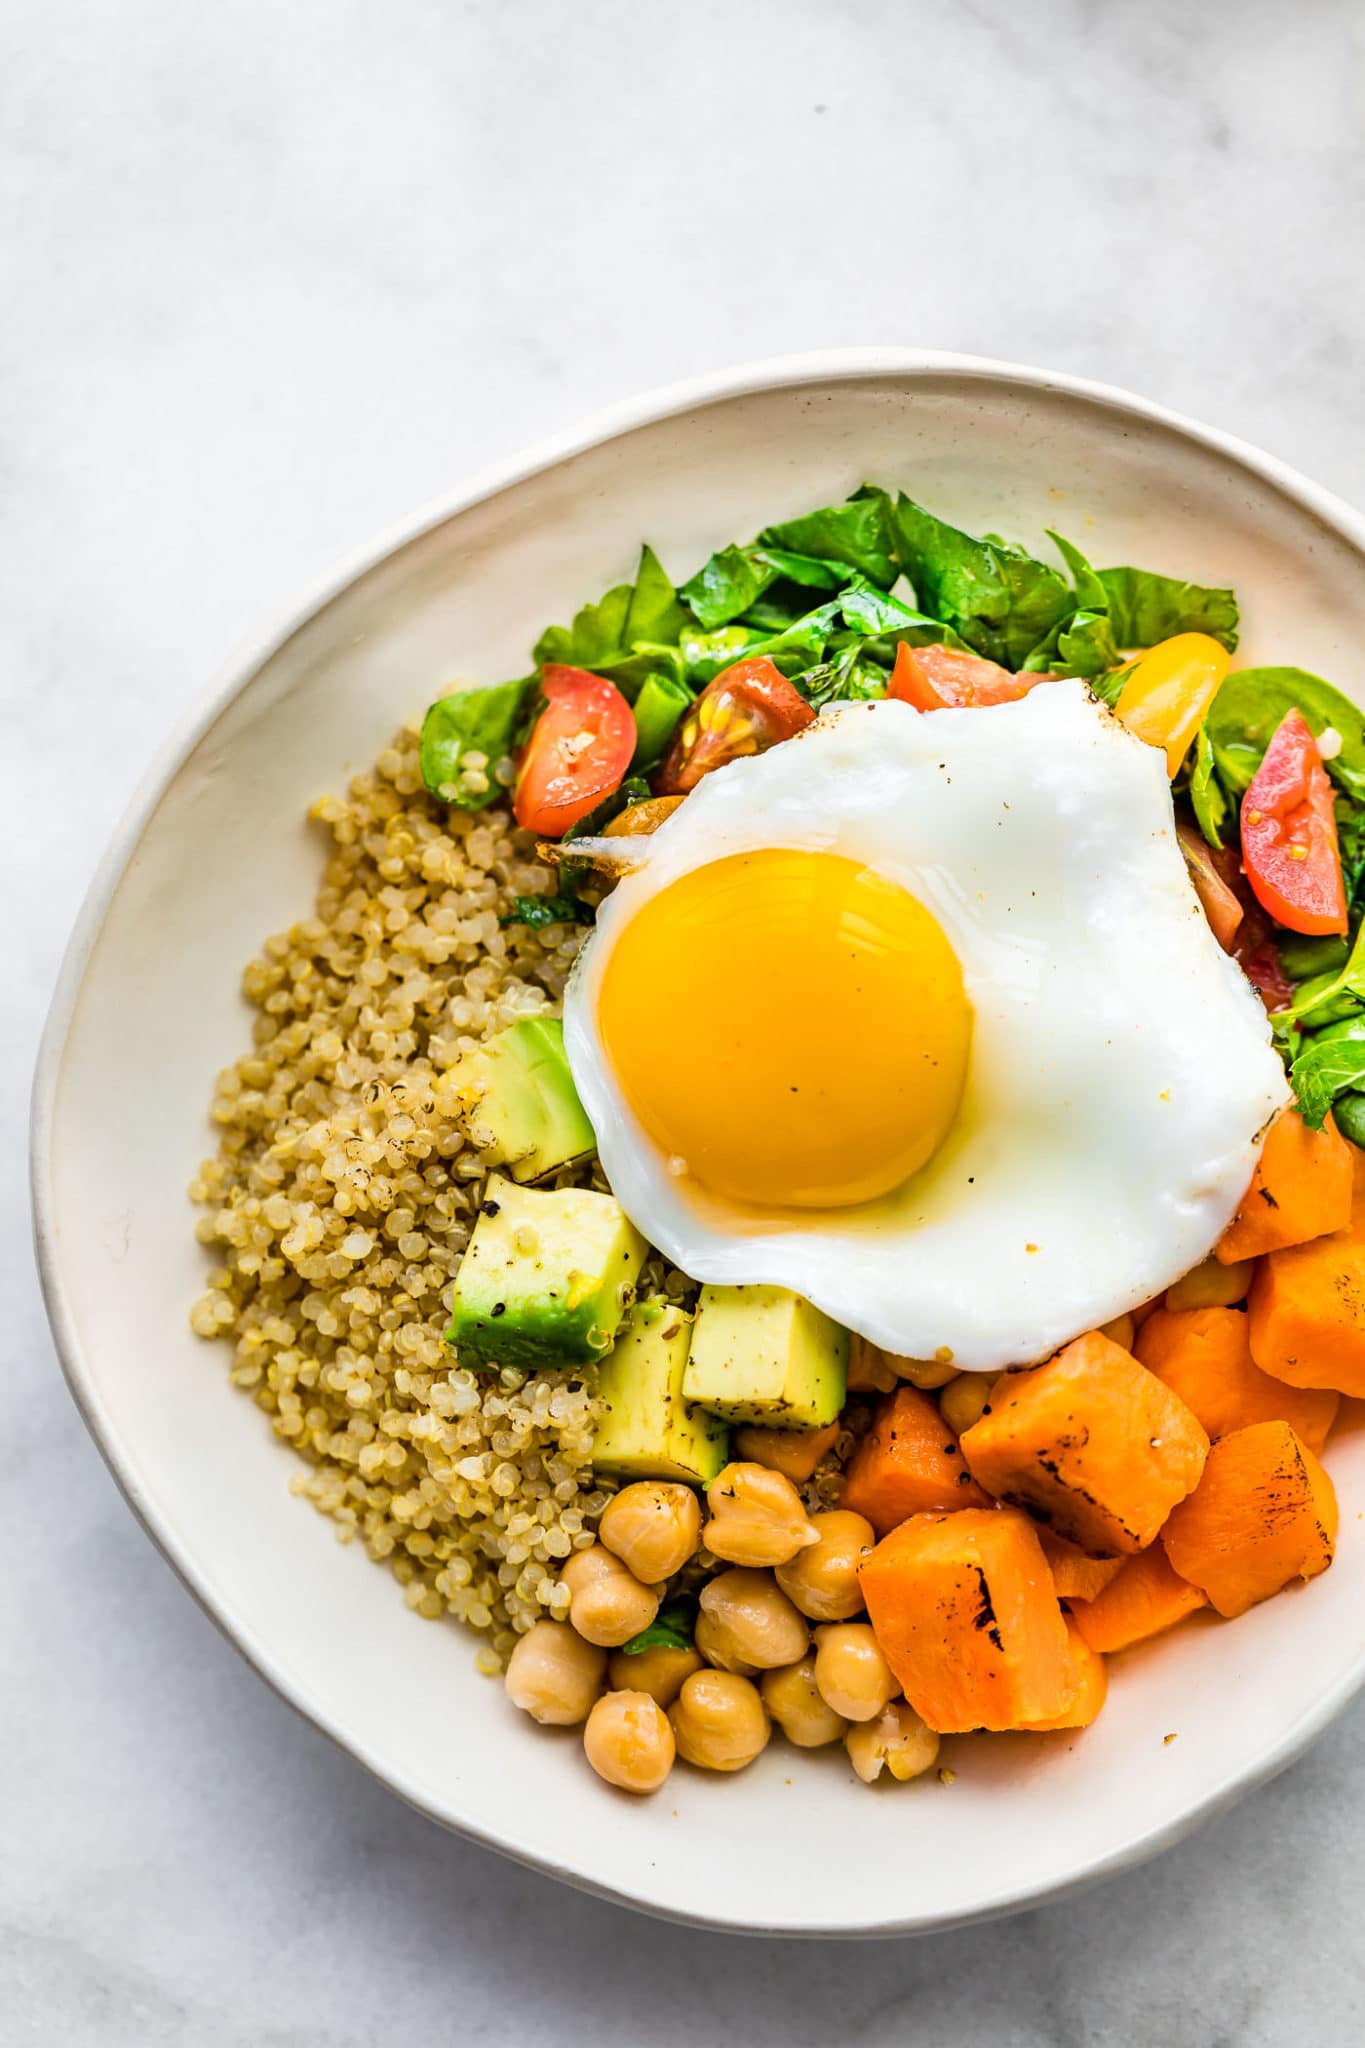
(777, 1638)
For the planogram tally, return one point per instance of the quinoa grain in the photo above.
(342, 1197)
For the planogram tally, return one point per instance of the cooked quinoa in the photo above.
(344, 1192)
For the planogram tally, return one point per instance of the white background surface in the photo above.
(271, 279)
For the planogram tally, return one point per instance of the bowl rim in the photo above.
(745, 379)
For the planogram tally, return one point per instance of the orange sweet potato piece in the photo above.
(1301, 1189)
(1090, 1683)
(1076, 1576)
(907, 1464)
(1264, 1513)
(1204, 1355)
(963, 1607)
(793, 1452)
(1147, 1596)
(1092, 1444)
(1306, 1310)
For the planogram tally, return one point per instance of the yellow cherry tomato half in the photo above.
(1169, 690)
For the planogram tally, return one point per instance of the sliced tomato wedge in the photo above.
(746, 709)
(1221, 906)
(1289, 833)
(938, 678)
(579, 749)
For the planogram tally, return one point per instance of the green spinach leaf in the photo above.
(645, 610)
(733, 581)
(1206, 791)
(1349, 1111)
(1145, 608)
(483, 721)
(538, 911)
(1303, 956)
(1325, 1069)
(1001, 600)
(856, 534)
(1249, 707)
(659, 706)
(671, 1629)
(657, 614)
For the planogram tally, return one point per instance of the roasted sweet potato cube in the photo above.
(1306, 1310)
(1146, 1596)
(1090, 1684)
(1092, 1444)
(964, 1610)
(1076, 1576)
(1204, 1355)
(1264, 1513)
(907, 1464)
(1300, 1190)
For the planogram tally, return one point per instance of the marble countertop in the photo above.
(273, 277)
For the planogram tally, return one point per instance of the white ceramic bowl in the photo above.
(215, 855)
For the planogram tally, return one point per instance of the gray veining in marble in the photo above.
(271, 277)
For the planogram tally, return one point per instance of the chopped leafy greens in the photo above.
(659, 706)
(482, 721)
(538, 911)
(1145, 608)
(1325, 1069)
(1001, 600)
(1349, 1112)
(1207, 796)
(1249, 706)
(856, 533)
(671, 1629)
(731, 583)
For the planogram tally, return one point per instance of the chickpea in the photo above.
(719, 1721)
(793, 1699)
(1120, 1330)
(794, 1452)
(756, 1517)
(869, 1370)
(853, 1676)
(925, 1373)
(753, 1617)
(823, 1580)
(713, 1640)
(553, 1675)
(897, 1739)
(608, 1605)
(659, 1672)
(628, 1741)
(1212, 1285)
(966, 1399)
(653, 1527)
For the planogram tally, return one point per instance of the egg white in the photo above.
(1121, 1075)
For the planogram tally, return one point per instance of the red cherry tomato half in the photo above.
(1289, 833)
(938, 679)
(579, 749)
(748, 708)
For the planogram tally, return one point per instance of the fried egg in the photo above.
(917, 1014)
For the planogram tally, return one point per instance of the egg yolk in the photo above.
(788, 1027)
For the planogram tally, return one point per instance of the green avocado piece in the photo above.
(766, 1355)
(518, 1102)
(546, 1278)
(645, 1429)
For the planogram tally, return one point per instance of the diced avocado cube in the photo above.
(518, 1102)
(546, 1278)
(645, 1429)
(763, 1354)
